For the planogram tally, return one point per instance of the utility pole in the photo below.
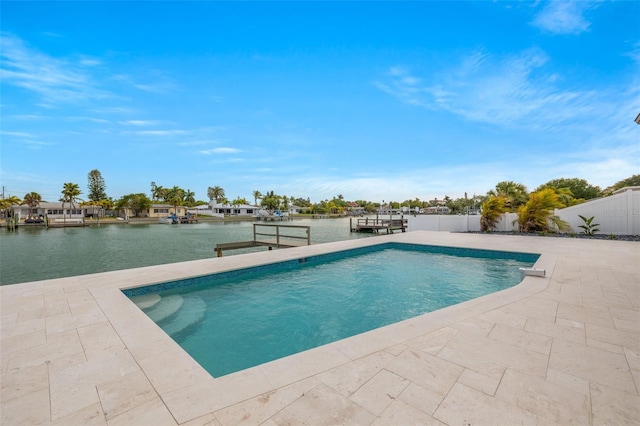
(3, 192)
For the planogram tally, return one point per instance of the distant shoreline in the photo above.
(152, 220)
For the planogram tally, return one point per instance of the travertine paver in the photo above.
(556, 403)
(261, 408)
(348, 378)
(564, 349)
(380, 391)
(399, 413)
(466, 406)
(323, 406)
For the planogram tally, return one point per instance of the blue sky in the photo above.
(370, 100)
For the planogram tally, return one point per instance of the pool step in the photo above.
(165, 307)
(146, 301)
(192, 312)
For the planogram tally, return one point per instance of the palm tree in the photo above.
(106, 203)
(33, 200)
(216, 193)
(175, 196)
(239, 201)
(565, 196)
(492, 209)
(270, 201)
(189, 198)
(256, 196)
(537, 213)
(70, 194)
(158, 192)
(6, 203)
(515, 194)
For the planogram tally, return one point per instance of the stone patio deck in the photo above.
(564, 349)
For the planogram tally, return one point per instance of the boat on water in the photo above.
(172, 219)
(189, 218)
(37, 220)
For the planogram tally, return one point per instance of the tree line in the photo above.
(507, 196)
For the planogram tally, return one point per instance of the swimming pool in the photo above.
(238, 319)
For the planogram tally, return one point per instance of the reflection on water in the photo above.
(32, 254)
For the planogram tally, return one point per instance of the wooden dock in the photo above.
(189, 218)
(276, 238)
(375, 225)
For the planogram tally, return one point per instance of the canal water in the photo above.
(32, 254)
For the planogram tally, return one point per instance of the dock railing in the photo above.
(278, 238)
(375, 225)
(281, 239)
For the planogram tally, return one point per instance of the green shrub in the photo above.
(589, 227)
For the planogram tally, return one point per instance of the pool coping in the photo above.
(398, 329)
(237, 387)
(180, 386)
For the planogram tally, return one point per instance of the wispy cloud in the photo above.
(114, 110)
(90, 62)
(199, 142)
(564, 16)
(91, 119)
(54, 80)
(220, 150)
(158, 132)
(161, 85)
(16, 134)
(24, 139)
(141, 123)
(512, 91)
(27, 117)
(634, 53)
(401, 84)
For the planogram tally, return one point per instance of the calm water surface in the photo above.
(32, 254)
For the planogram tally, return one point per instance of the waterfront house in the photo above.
(293, 209)
(437, 210)
(234, 209)
(155, 211)
(355, 209)
(56, 212)
(204, 210)
(164, 210)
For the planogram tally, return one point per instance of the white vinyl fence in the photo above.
(618, 214)
(446, 223)
(457, 223)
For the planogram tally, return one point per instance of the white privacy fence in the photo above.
(447, 223)
(618, 214)
(457, 223)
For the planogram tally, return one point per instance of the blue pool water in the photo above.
(235, 320)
